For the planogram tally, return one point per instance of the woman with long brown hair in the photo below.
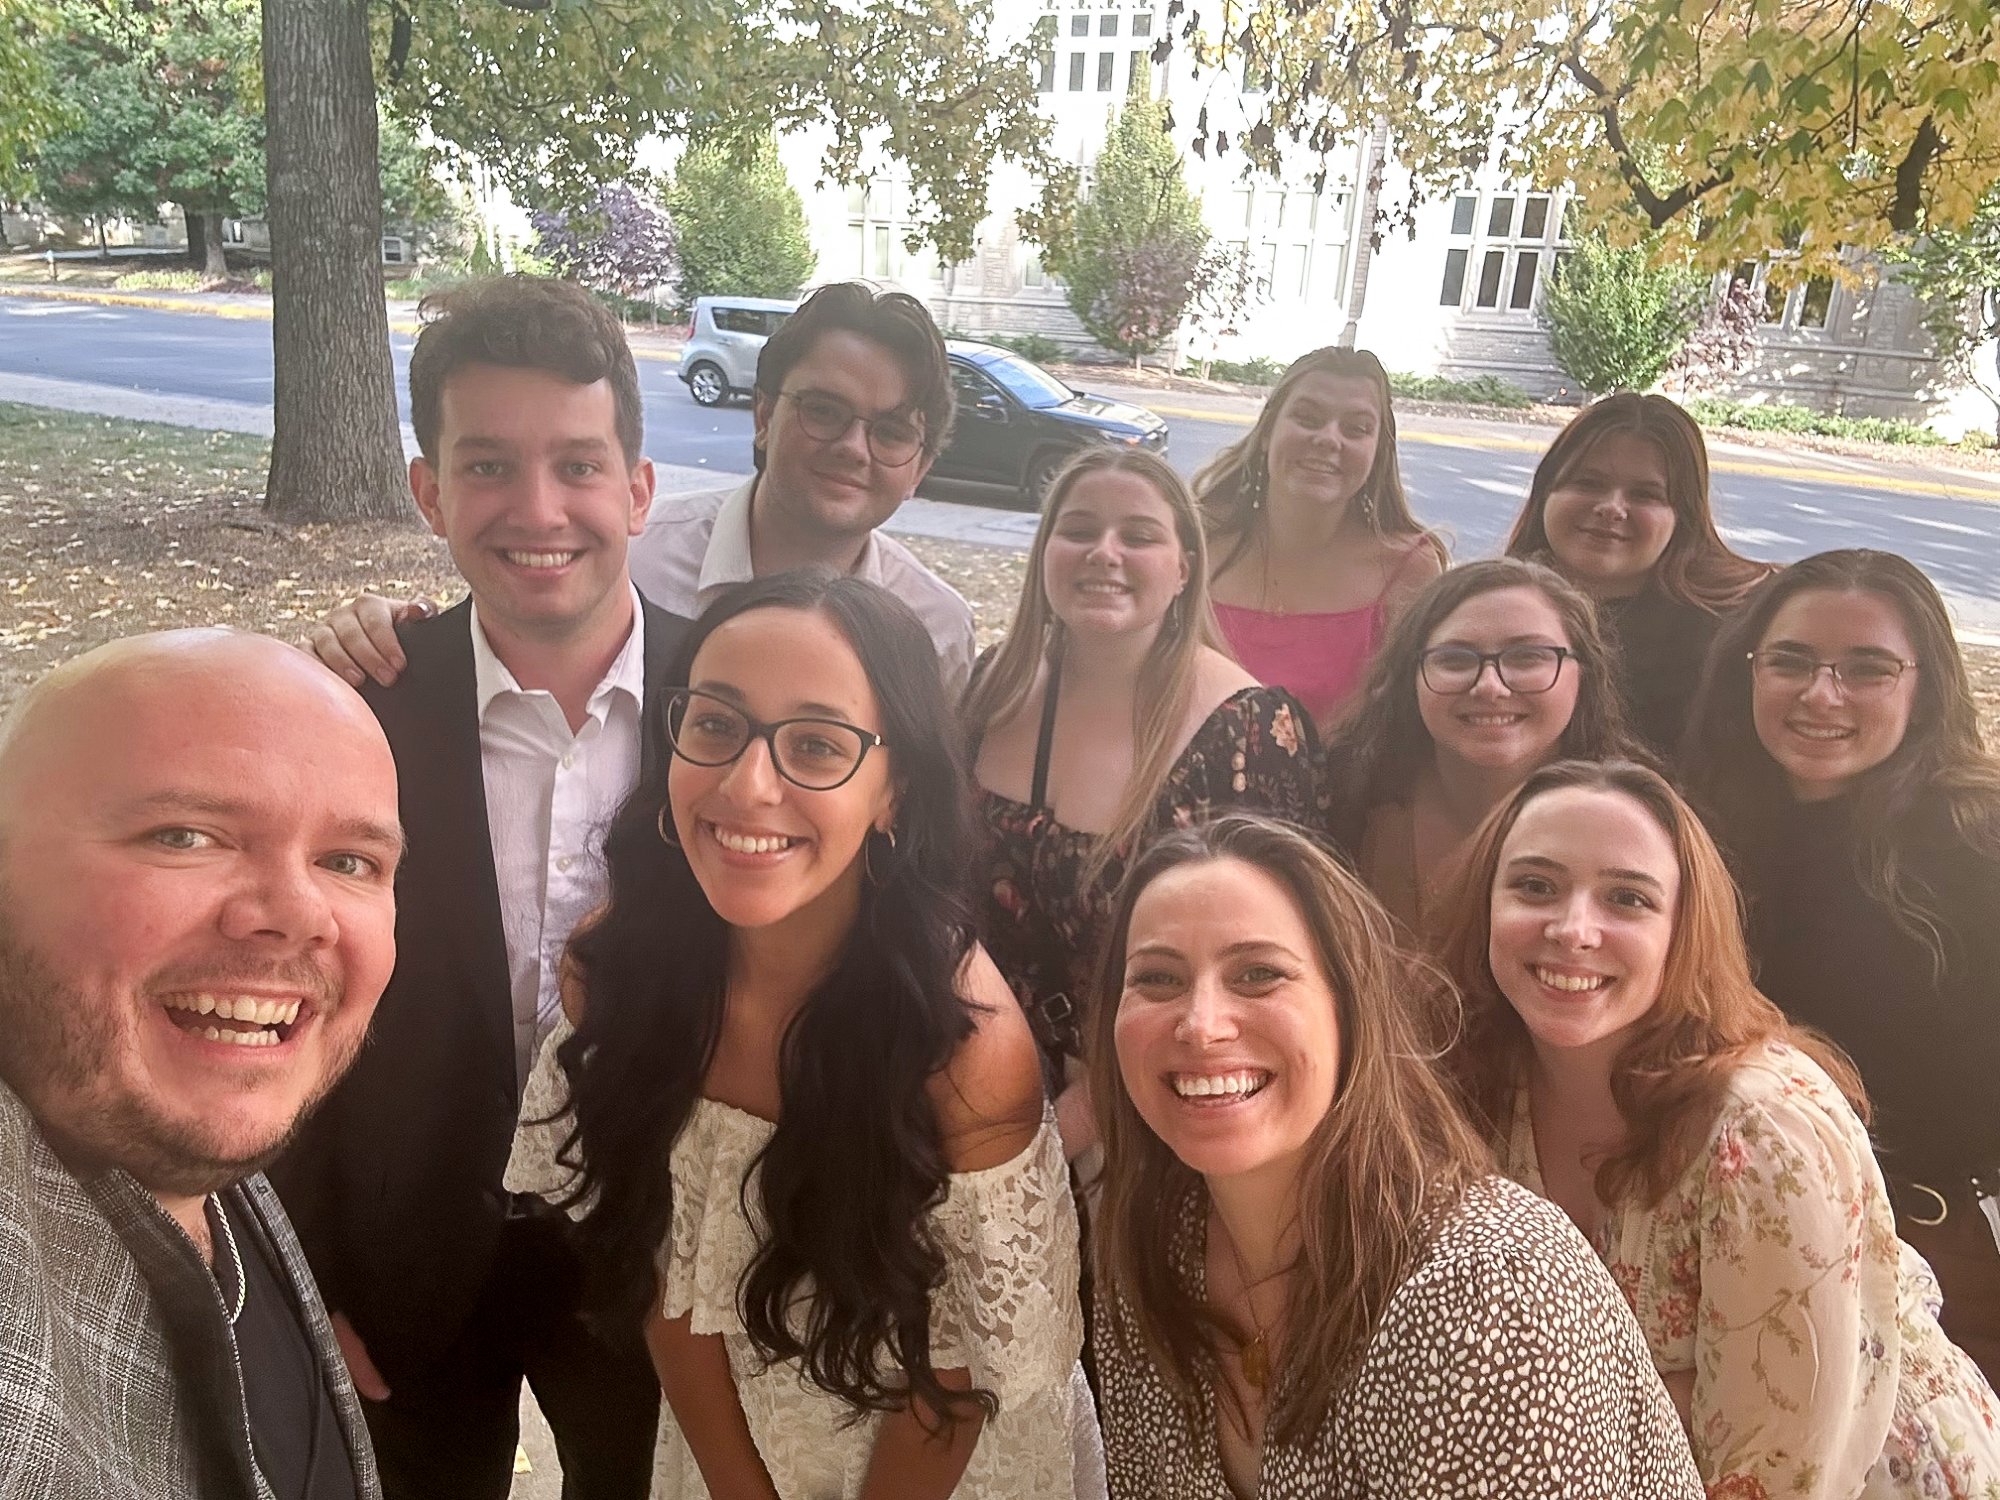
(1109, 711)
(1618, 1051)
(1315, 550)
(1837, 746)
(1309, 1281)
(1619, 506)
(1497, 668)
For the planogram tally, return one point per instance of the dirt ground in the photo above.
(109, 527)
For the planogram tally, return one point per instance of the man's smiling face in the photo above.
(530, 487)
(197, 912)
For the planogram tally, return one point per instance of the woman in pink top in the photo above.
(1316, 550)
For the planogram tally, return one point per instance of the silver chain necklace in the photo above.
(235, 1261)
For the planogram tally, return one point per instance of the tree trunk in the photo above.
(214, 265)
(197, 232)
(337, 452)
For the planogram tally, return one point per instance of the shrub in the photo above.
(1976, 439)
(742, 226)
(1481, 390)
(622, 244)
(1039, 347)
(1712, 411)
(1615, 320)
(1258, 371)
(162, 281)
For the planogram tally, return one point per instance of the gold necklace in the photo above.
(1255, 1356)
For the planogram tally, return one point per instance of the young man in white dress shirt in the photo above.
(853, 402)
(517, 731)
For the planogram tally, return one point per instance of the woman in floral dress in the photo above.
(1628, 1068)
(1110, 711)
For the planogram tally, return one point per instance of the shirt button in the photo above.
(563, 863)
(569, 759)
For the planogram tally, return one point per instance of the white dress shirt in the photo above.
(695, 546)
(550, 796)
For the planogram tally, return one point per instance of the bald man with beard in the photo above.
(198, 846)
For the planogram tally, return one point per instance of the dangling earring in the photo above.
(1367, 498)
(1254, 486)
(868, 852)
(661, 823)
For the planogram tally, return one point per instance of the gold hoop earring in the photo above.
(661, 823)
(868, 852)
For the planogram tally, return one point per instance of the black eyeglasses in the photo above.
(893, 439)
(1857, 677)
(817, 754)
(1521, 669)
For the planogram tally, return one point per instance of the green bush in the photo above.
(1614, 318)
(1482, 390)
(1978, 439)
(1258, 371)
(741, 225)
(1712, 411)
(1039, 347)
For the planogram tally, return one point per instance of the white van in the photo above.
(723, 341)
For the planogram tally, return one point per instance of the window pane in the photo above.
(1489, 278)
(1267, 269)
(881, 249)
(1462, 210)
(1524, 280)
(1500, 223)
(1076, 60)
(1046, 83)
(1079, 25)
(1818, 301)
(1105, 62)
(1295, 276)
(1107, 26)
(1243, 204)
(1454, 278)
(1535, 219)
(860, 249)
(1142, 24)
(1774, 301)
(1031, 272)
(857, 199)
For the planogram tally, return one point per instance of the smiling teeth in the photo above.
(238, 1008)
(1819, 732)
(1576, 983)
(541, 559)
(241, 1038)
(1199, 1086)
(738, 843)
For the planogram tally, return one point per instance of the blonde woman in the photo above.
(1108, 712)
(1316, 552)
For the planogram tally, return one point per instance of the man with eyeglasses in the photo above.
(853, 402)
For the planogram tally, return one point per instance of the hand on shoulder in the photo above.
(989, 1096)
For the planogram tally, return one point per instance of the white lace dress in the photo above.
(1007, 1311)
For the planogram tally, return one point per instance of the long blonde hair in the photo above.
(1382, 1171)
(1038, 638)
(1234, 486)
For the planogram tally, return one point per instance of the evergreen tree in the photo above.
(741, 226)
(1138, 246)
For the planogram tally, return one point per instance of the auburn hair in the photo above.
(1671, 1076)
(1697, 566)
(1382, 1170)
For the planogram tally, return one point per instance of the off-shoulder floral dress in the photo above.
(1007, 1311)
(1773, 1272)
(1042, 922)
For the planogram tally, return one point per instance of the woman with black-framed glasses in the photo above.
(1837, 752)
(1496, 669)
(796, 1110)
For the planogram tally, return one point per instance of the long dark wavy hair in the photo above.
(1381, 750)
(1673, 1072)
(1942, 763)
(855, 1162)
(1381, 1172)
(1698, 567)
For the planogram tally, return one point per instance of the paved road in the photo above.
(1466, 477)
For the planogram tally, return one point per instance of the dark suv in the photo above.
(1017, 424)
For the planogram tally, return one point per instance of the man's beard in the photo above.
(57, 1042)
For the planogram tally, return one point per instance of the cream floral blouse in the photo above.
(1772, 1271)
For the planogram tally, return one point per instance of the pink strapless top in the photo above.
(1318, 658)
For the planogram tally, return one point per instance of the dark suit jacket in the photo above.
(394, 1186)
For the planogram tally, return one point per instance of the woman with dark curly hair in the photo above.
(1496, 669)
(1315, 550)
(1617, 1052)
(797, 1113)
(1310, 1282)
(1619, 507)
(1837, 748)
